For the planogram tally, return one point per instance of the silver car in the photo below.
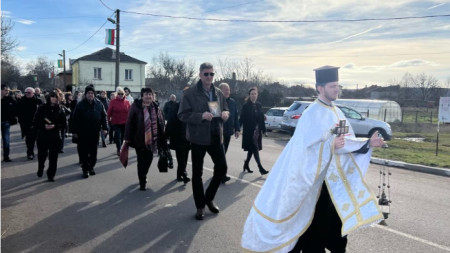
(292, 114)
(364, 126)
(274, 116)
(361, 126)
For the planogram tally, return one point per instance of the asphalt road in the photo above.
(107, 212)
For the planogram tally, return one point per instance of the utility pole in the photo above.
(64, 66)
(117, 23)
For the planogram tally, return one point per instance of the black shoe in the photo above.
(142, 188)
(85, 174)
(179, 179)
(51, 179)
(92, 172)
(186, 179)
(200, 214)
(30, 157)
(212, 207)
(61, 152)
(247, 168)
(262, 170)
(7, 160)
(40, 173)
(104, 145)
(225, 179)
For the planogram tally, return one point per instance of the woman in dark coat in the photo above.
(176, 132)
(144, 131)
(48, 121)
(252, 120)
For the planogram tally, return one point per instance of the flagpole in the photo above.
(117, 49)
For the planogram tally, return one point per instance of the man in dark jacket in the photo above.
(26, 108)
(171, 108)
(88, 119)
(205, 132)
(231, 126)
(8, 119)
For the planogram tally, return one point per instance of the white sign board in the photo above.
(444, 110)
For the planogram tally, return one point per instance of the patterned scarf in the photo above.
(151, 128)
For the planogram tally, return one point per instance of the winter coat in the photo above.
(26, 108)
(118, 111)
(57, 117)
(192, 107)
(176, 130)
(9, 110)
(88, 119)
(250, 117)
(135, 128)
(232, 124)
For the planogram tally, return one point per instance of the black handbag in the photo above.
(163, 162)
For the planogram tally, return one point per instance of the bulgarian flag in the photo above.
(60, 64)
(110, 37)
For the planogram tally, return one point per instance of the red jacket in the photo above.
(118, 111)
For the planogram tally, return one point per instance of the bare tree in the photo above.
(168, 75)
(41, 69)
(427, 86)
(246, 69)
(8, 43)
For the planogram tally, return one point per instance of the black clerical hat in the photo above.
(326, 74)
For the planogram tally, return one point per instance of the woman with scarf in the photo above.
(252, 120)
(144, 131)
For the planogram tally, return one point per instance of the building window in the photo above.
(98, 73)
(128, 74)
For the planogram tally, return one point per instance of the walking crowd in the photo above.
(203, 122)
(315, 194)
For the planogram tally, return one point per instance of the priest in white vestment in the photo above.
(315, 194)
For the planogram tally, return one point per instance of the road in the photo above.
(107, 212)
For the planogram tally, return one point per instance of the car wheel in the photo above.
(380, 131)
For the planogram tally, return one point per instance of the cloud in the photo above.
(25, 21)
(21, 48)
(412, 63)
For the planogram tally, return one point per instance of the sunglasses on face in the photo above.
(120, 94)
(208, 74)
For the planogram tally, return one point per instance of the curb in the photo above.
(414, 167)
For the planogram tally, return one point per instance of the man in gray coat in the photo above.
(205, 132)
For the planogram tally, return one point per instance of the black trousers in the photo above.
(144, 160)
(119, 132)
(87, 151)
(325, 229)
(217, 153)
(48, 148)
(30, 140)
(226, 142)
(182, 154)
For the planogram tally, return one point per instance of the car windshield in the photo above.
(349, 113)
(294, 106)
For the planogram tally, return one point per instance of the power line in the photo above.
(287, 21)
(89, 37)
(280, 21)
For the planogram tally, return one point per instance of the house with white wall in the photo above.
(99, 69)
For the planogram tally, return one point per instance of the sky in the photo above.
(296, 36)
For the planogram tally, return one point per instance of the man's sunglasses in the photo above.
(208, 74)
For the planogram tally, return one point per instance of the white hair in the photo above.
(120, 90)
(29, 89)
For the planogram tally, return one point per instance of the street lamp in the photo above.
(117, 23)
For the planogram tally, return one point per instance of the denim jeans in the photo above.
(5, 138)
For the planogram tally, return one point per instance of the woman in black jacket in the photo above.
(252, 120)
(48, 122)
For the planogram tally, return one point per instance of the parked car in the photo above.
(363, 127)
(292, 114)
(274, 116)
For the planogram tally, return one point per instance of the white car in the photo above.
(274, 116)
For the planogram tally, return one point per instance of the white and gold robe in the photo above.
(284, 207)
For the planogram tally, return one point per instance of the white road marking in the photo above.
(415, 238)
